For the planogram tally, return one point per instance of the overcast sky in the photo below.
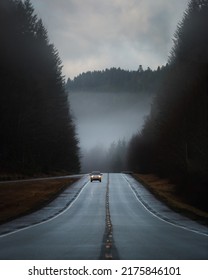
(98, 34)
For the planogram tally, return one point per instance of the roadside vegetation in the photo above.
(173, 141)
(166, 191)
(37, 133)
(23, 197)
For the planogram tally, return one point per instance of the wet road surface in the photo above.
(116, 219)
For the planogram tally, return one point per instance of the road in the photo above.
(108, 220)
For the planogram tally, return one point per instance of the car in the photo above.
(96, 176)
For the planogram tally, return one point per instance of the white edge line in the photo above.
(48, 220)
(171, 223)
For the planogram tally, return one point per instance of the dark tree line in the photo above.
(37, 133)
(117, 80)
(173, 141)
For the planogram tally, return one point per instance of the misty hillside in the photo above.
(109, 106)
(117, 80)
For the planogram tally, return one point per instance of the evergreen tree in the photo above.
(37, 132)
(117, 80)
(175, 133)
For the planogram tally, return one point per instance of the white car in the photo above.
(95, 176)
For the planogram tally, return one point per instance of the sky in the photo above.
(98, 34)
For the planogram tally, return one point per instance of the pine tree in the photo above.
(175, 133)
(37, 130)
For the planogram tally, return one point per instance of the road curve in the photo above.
(109, 208)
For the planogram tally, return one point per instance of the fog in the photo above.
(103, 118)
(92, 35)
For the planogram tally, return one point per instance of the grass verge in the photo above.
(166, 192)
(23, 197)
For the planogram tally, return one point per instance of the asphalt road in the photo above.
(108, 220)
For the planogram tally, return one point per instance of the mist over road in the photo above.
(79, 232)
(104, 117)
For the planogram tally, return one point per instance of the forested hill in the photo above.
(117, 80)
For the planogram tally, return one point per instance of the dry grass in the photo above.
(19, 198)
(165, 191)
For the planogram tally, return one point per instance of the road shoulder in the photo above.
(162, 211)
(47, 212)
